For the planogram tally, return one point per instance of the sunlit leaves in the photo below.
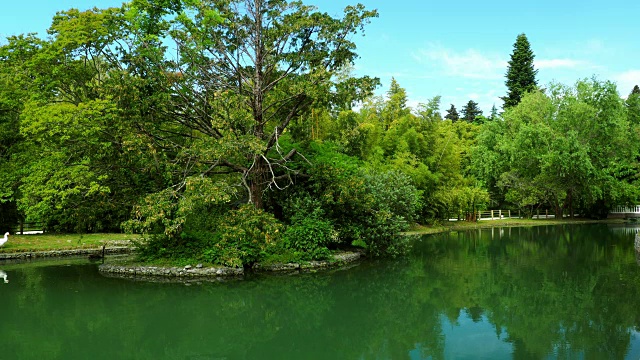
(169, 209)
(561, 150)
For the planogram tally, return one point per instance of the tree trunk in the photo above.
(571, 204)
(558, 212)
(558, 208)
(258, 179)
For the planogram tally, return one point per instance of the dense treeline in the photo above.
(229, 130)
(573, 149)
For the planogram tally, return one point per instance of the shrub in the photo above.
(237, 237)
(310, 235)
(245, 236)
(365, 207)
(161, 246)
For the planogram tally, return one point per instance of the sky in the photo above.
(455, 49)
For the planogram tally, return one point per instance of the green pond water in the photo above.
(511, 293)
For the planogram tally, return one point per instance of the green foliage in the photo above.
(14, 91)
(310, 236)
(494, 113)
(461, 202)
(521, 76)
(309, 233)
(570, 150)
(360, 203)
(61, 179)
(471, 111)
(342, 202)
(431, 110)
(246, 235)
(238, 237)
(396, 105)
(452, 114)
(432, 153)
(292, 65)
(632, 104)
(389, 211)
(448, 163)
(167, 211)
(101, 116)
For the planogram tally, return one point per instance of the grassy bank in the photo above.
(464, 225)
(46, 242)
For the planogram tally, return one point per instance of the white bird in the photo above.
(4, 276)
(4, 241)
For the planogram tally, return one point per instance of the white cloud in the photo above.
(470, 63)
(557, 63)
(626, 81)
(414, 104)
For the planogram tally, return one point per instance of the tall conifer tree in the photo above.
(494, 113)
(521, 76)
(452, 114)
(470, 111)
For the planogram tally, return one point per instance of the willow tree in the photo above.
(236, 74)
(570, 150)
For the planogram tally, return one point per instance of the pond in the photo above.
(526, 293)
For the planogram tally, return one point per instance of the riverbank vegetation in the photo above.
(233, 132)
(50, 242)
(437, 228)
(53, 241)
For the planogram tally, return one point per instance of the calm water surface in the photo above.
(522, 293)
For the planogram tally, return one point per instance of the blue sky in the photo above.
(456, 49)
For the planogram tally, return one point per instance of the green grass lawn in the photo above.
(44, 242)
(464, 225)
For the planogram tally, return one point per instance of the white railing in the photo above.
(487, 215)
(626, 230)
(493, 214)
(626, 210)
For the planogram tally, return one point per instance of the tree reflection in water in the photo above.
(560, 291)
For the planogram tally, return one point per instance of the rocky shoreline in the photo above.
(182, 274)
(338, 260)
(114, 250)
(220, 273)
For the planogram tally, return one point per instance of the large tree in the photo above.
(244, 71)
(187, 96)
(521, 75)
(13, 93)
(77, 165)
